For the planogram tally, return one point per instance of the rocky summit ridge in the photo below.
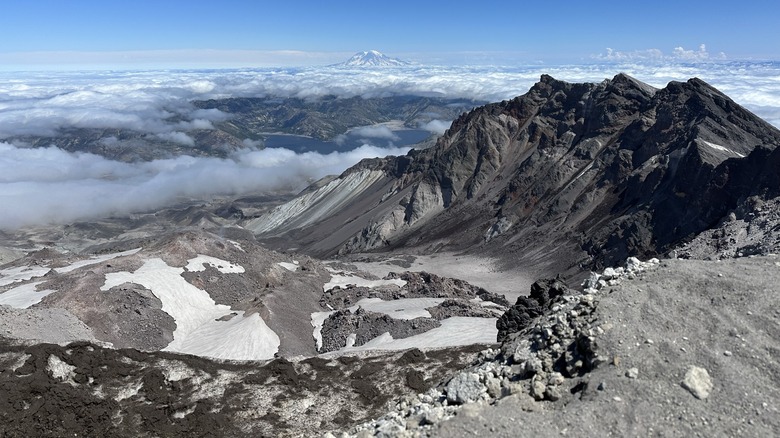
(566, 175)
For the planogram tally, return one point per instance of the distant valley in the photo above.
(322, 124)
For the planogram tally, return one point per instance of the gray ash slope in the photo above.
(667, 348)
(564, 176)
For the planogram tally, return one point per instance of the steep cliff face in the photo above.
(567, 174)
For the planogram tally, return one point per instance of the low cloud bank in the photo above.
(49, 185)
(160, 102)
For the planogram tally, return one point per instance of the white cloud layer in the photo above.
(374, 131)
(159, 102)
(679, 54)
(49, 184)
(436, 126)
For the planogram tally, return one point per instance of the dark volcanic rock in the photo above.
(366, 325)
(424, 284)
(451, 308)
(85, 390)
(418, 285)
(526, 309)
(564, 177)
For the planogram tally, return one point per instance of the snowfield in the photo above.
(405, 308)
(292, 267)
(199, 263)
(199, 329)
(344, 280)
(95, 260)
(24, 296)
(22, 273)
(455, 331)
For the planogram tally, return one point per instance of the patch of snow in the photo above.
(195, 313)
(176, 371)
(95, 260)
(60, 369)
(292, 267)
(404, 308)
(317, 320)
(351, 340)
(184, 413)
(722, 148)
(479, 271)
(479, 301)
(453, 332)
(128, 390)
(198, 264)
(20, 360)
(24, 296)
(21, 273)
(343, 280)
(236, 245)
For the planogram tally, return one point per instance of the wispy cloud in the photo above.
(436, 126)
(159, 102)
(374, 131)
(678, 53)
(49, 185)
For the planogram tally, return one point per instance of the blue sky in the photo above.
(315, 32)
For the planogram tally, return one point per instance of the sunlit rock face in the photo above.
(565, 175)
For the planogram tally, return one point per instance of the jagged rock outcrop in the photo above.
(346, 328)
(751, 229)
(565, 175)
(526, 309)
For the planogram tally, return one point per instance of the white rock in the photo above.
(609, 274)
(697, 381)
(464, 388)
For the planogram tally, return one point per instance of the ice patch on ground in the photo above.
(465, 330)
(404, 308)
(344, 280)
(60, 370)
(236, 245)
(317, 320)
(195, 312)
(455, 331)
(129, 390)
(292, 267)
(95, 260)
(21, 273)
(199, 264)
(24, 296)
(721, 148)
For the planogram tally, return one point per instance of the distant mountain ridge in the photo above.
(567, 175)
(373, 58)
(249, 118)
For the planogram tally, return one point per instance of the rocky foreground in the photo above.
(671, 348)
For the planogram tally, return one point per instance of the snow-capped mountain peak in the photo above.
(373, 58)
